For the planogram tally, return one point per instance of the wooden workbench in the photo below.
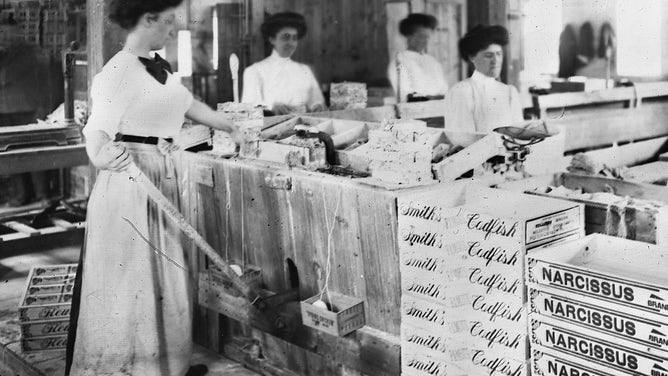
(278, 219)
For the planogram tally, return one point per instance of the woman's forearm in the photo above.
(201, 113)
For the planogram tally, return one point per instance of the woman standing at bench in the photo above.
(415, 75)
(482, 102)
(279, 83)
(135, 311)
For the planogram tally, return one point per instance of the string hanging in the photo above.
(330, 232)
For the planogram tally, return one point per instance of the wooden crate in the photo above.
(344, 314)
(633, 220)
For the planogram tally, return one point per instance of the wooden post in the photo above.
(104, 38)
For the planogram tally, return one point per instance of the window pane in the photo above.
(639, 37)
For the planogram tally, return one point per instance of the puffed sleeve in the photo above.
(111, 95)
(516, 105)
(315, 96)
(459, 108)
(252, 89)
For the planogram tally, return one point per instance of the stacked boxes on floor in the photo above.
(462, 250)
(599, 306)
(44, 310)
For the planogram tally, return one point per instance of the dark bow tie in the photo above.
(157, 67)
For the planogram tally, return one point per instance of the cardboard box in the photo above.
(48, 293)
(629, 274)
(46, 328)
(545, 362)
(44, 343)
(619, 323)
(462, 252)
(637, 211)
(595, 349)
(346, 314)
(416, 363)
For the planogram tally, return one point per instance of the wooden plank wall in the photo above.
(357, 51)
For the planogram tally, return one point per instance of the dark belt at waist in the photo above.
(151, 140)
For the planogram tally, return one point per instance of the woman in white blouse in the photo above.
(419, 76)
(482, 102)
(132, 305)
(279, 83)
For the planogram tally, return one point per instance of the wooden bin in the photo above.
(641, 222)
(346, 314)
(252, 275)
(216, 292)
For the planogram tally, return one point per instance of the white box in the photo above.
(479, 279)
(630, 274)
(545, 362)
(619, 323)
(596, 349)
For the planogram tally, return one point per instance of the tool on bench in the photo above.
(517, 140)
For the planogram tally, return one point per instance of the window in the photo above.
(542, 27)
(639, 37)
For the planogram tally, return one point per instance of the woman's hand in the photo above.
(282, 109)
(319, 107)
(237, 136)
(112, 156)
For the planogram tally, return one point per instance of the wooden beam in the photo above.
(373, 114)
(605, 127)
(648, 173)
(421, 110)
(592, 184)
(470, 158)
(42, 158)
(630, 154)
(641, 90)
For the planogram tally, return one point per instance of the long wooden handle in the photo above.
(234, 70)
(172, 212)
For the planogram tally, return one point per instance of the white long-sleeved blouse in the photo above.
(480, 104)
(278, 80)
(419, 73)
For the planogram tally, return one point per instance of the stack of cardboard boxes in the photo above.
(44, 311)
(599, 306)
(462, 266)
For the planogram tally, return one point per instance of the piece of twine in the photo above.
(330, 232)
